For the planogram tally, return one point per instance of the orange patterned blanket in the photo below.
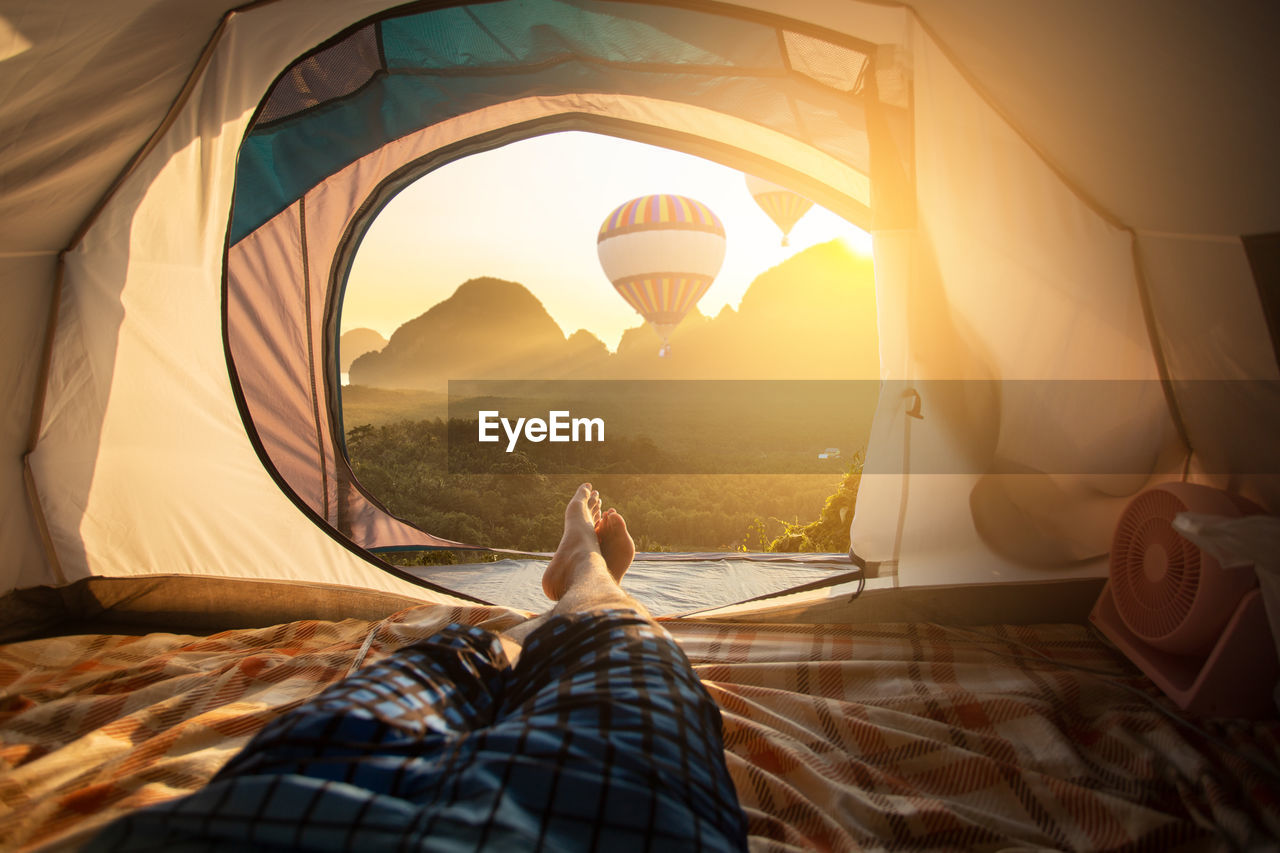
(896, 736)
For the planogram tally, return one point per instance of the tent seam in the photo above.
(1157, 351)
(42, 523)
(311, 357)
(46, 356)
(1228, 239)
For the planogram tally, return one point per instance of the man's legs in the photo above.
(601, 737)
(620, 744)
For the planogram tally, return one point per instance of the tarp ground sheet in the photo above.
(893, 736)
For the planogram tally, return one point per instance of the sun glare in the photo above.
(530, 212)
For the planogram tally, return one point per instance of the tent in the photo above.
(1073, 218)
(1077, 249)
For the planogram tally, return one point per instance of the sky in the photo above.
(529, 212)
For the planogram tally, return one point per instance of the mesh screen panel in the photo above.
(445, 62)
(838, 128)
(511, 35)
(337, 70)
(829, 64)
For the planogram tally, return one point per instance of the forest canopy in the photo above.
(514, 506)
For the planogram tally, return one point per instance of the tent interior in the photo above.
(1077, 286)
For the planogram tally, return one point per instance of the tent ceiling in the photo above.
(1163, 112)
(1166, 113)
(82, 87)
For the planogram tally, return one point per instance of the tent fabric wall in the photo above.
(79, 95)
(1220, 358)
(143, 464)
(1005, 276)
(1161, 115)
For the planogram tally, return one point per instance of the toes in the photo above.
(612, 527)
(590, 499)
(587, 499)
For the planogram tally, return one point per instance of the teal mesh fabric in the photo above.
(504, 34)
(447, 62)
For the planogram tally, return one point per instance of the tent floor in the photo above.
(667, 586)
(204, 605)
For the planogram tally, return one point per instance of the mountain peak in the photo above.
(811, 316)
(356, 342)
(491, 289)
(488, 328)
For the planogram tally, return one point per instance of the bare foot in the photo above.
(579, 549)
(584, 573)
(616, 544)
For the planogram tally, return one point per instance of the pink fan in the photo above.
(1199, 631)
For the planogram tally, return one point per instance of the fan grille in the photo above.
(1156, 572)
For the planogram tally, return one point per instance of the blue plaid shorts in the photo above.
(601, 737)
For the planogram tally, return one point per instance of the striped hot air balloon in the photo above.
(661, 252)
(781, 205)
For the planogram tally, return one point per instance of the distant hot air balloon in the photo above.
(661, 252)
(782, 205)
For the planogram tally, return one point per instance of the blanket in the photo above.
(869, 737)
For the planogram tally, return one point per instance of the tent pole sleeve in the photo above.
(37, 512)
(1157, 350)
(46, 356)
(37, 420)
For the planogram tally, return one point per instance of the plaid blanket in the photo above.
(896, 736)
